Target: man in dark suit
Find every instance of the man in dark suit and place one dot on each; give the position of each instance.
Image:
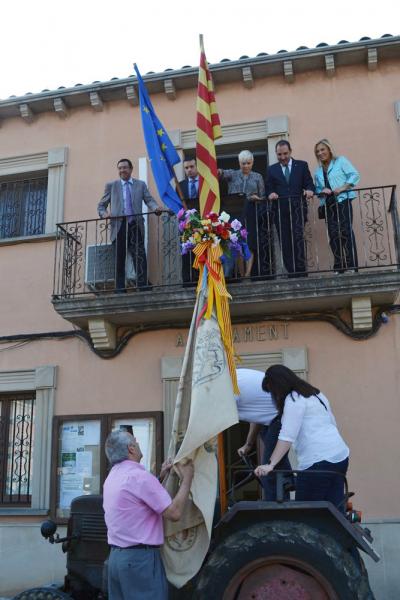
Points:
(289, 186)
(190, 185)
(125, 197)
(190, 192)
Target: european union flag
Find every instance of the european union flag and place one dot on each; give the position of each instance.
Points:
(160, 149)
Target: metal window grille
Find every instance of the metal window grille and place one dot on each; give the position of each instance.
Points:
(17, 414)
(23, 207)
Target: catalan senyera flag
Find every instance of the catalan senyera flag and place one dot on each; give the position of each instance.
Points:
(208, 130)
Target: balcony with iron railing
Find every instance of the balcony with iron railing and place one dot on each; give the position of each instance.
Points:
(139, 277)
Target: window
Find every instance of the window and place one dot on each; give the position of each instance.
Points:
(32, 194)
(80, 461)
(26, 412)
(17, 414)
(23, 207)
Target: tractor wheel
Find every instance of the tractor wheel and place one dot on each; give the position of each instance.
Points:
(282, 560)
(42, 594)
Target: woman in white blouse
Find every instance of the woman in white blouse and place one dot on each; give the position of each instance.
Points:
(307, 423)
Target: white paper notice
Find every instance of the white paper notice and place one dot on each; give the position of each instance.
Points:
(90, 433)
(84, 463)
(71, 486)
(69, 437)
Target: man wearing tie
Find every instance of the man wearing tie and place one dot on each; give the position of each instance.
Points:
(289, 185)
(125, 197)
(190, 185)
(190, 192)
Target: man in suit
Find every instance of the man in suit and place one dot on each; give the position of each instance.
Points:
(190, 185)
(289, 186)
(125, 197)
(190, 192)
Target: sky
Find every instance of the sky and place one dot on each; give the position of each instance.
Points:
(47, 43)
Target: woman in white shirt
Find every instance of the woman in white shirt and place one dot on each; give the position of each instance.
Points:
(307, 423)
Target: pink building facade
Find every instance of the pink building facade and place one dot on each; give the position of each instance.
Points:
(77, 359)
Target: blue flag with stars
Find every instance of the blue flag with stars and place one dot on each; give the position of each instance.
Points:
(160, 149)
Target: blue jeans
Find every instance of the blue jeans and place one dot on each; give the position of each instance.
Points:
(339, 217)
(313, 486)
(136, 574)
(269, 435)
(228, 265)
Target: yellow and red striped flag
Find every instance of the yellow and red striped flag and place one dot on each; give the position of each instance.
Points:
(208, 130)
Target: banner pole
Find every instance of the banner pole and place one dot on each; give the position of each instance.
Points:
(223, 500)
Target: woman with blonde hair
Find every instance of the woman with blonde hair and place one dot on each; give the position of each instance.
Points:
(334, 179)
(250, 183)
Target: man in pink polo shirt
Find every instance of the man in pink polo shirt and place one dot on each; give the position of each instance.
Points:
(135, 504)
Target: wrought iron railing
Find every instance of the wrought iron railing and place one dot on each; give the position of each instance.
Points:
(23, 206)
(287, 237)
(16, 448)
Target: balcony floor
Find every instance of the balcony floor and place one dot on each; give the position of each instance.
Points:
(173, 305)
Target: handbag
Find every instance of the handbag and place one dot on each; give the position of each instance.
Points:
(322, 207)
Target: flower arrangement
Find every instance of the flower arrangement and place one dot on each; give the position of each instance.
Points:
(217, 229)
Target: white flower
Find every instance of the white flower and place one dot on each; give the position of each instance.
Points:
(236, 225)
(224, 217)
(233, 237)
(192, 240)
(216, 241)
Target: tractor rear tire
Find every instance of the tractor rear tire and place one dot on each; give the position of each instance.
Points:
(304, 551)
(42, 594)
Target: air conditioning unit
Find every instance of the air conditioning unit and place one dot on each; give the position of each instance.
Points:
(397, 109)
(100, 267)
